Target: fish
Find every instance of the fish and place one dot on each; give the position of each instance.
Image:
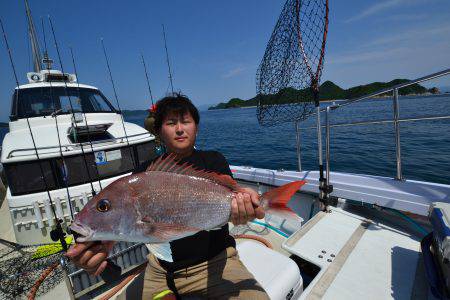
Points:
(166, 202)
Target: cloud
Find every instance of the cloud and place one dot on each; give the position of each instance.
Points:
(417, 34)
(405, 17)
(234, 72)
(395, 45)
(376, 8)
(364, 56)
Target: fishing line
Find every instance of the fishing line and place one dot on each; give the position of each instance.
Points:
(167, 58)
(118, 104)
(73, 119)
(148, 81)
(64, 168)
(57, 233)
(88, 131)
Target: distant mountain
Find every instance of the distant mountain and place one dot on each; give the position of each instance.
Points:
(134, 112)
(3, 124)
(445, 89)
(328, 91)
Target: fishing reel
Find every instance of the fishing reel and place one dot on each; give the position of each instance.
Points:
(58, 234)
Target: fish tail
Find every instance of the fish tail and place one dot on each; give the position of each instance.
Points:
(279, 197)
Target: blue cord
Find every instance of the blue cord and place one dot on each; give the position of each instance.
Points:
(272, 228)
(408, 219)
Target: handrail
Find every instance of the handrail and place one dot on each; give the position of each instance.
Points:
(386, 121)
(395, 87)
(71, 147)
(395, 120)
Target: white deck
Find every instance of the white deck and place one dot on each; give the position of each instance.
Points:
(358, 258)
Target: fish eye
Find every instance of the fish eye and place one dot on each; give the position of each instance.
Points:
(103, 205)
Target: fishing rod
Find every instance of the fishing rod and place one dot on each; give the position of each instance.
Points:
(85, 118)
(71, 108)
(167, 58)
(112, 271)
(57, 233)
(55, 116)
(118, 104)
(148, 81)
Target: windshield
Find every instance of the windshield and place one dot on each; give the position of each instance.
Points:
(43, 101)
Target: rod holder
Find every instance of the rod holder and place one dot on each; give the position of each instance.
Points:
(297, 138)
(399, 175)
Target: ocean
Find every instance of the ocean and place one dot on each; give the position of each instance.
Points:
(365, 149)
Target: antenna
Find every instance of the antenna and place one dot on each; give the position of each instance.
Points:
(117, 101)
(57, 233)
(37, 62)
(167, 58)
(146, 76)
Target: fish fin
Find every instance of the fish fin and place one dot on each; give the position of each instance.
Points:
(278, 198)
(170, 164)
(161, 251)
(276, 201)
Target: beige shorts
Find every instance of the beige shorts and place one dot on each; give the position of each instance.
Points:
(222, 277)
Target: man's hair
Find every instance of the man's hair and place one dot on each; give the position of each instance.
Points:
(178, 104)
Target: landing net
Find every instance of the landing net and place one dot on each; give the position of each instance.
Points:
(289, 74)
(27, 270)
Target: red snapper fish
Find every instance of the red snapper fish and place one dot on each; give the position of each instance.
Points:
(168, 201)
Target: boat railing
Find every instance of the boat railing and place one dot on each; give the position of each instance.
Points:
(396, 120)
(72, 147)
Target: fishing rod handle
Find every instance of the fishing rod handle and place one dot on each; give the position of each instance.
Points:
(112, 271)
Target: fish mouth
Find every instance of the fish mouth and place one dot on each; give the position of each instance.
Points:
(81, 233)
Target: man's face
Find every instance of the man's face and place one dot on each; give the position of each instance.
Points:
(178, 132)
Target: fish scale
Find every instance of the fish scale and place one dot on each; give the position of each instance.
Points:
(167, 202)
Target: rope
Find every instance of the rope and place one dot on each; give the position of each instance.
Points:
(41, 279)
(256, 238)
(123, 283)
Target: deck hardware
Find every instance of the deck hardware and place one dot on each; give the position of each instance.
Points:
(297, 138)
(37, 213)
(398, 153)
(58, 206)
(48, 212)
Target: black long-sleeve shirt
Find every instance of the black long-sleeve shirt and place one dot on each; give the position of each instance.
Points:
(203, 245)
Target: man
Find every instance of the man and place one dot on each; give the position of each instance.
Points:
(205, 265)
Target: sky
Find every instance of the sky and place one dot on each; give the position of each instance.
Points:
(215, 47)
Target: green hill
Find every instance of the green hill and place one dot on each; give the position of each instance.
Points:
(328, 91)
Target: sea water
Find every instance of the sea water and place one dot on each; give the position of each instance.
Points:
(364, 149)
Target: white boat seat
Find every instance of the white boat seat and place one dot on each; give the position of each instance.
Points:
(277, 274)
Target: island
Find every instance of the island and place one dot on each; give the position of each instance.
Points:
(3, 124)
(328, 91)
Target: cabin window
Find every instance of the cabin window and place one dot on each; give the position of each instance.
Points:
(118, 161)
(43, 101)
(25, 177)
(146, 152)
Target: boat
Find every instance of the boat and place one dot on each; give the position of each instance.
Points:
(65, 142)
(372, 240)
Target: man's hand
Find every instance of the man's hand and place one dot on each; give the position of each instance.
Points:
(90, 256)
(245, 206)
